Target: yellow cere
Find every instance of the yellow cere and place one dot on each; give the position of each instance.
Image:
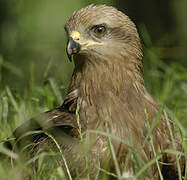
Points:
(84, 44)
(75, 35)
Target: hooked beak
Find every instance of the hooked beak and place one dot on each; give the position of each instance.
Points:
(72, 48)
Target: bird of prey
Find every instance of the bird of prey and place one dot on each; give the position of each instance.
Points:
(108, 116)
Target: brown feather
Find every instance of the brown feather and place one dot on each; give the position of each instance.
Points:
(107, 85)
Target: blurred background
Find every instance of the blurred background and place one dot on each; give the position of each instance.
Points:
(34, 70)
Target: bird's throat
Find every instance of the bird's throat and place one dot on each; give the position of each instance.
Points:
(104, 75)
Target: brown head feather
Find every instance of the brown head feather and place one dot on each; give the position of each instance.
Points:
(119, 57)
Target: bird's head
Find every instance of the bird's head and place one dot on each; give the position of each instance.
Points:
(100, 30)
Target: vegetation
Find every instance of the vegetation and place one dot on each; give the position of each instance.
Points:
(34, 86)
(168, 84)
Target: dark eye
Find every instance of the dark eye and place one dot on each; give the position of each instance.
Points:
(99, 30)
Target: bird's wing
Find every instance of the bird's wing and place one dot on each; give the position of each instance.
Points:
(63, 117)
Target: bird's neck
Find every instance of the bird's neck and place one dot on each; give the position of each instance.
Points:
(106, 75)
(104, 84)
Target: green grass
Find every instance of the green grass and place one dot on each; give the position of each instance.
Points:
(166, 82)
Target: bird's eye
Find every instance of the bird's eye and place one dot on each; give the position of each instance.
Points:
(99, 30)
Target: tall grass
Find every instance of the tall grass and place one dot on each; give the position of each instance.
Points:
(167, 83)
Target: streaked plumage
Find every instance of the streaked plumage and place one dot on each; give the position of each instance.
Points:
(108, 87)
